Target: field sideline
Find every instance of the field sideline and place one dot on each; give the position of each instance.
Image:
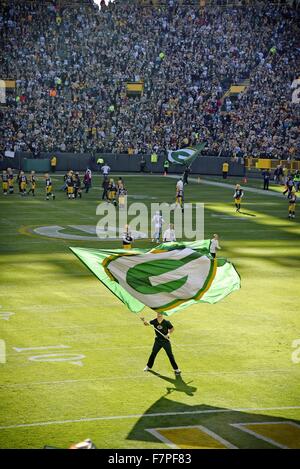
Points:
(75, 355)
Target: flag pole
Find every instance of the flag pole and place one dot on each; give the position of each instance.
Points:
(168, 338)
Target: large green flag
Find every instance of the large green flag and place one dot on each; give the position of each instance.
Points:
(185, 156)
(167, 279)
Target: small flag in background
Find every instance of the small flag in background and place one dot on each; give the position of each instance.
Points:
(167, 279)
(185, 156)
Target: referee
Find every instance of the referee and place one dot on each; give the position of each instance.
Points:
(163, 329)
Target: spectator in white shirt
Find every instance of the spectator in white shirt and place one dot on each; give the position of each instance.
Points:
(169, 234)
(214, 245)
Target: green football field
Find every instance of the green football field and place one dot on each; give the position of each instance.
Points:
(73, 367)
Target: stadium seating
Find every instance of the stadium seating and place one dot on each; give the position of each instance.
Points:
(72, 64)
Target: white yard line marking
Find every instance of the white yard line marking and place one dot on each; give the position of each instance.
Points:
(46, 347)
(138, 376)
(230, 186)
(135, 416)
(5, 315)
(96, 349)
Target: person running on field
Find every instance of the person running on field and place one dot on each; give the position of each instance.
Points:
(48, 184)
(32, 181)
(292, 204)
(4, 182)
(238, 195)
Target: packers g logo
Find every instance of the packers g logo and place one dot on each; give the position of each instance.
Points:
(181, 156)
(162, 280)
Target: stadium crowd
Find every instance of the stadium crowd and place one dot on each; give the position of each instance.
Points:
(71, 66)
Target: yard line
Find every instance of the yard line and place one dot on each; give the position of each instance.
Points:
(136, 416)
(138, 376)
(44, 347)
(230, 186)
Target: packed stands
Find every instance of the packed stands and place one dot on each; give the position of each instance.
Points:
(72, 62)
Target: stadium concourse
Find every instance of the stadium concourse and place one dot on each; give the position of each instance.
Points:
(71, 62)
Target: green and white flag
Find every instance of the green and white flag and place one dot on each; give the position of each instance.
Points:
(166, 279)
(185, 156)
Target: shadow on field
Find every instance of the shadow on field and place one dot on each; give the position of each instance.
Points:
(166, 413)
(248, 214)
(280, 259)
(178, 383)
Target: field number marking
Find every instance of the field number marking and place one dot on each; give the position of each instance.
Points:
(72, 358)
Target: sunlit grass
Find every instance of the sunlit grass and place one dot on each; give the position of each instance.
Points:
(236, 354)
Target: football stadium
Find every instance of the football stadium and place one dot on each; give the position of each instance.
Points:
(150, 234)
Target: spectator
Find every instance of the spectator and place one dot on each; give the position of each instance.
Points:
(71, 67)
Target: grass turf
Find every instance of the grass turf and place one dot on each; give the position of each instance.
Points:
(235, 356)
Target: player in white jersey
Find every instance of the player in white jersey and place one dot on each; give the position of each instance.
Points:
(169, 234)
(158, 221)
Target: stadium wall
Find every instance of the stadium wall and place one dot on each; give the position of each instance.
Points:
(122, 163)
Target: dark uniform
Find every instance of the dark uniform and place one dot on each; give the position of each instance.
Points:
(289, 186)
(11, 182)
(266, 175)
(122, 193)
(77, 186)
(179, 198)
(19, 180)
(105, 185)
(161, 342)
(166, 166)
(4, 183)
(239, 193)
(112, 192)
(142, 165)
(186, 175)
(23, 184)
(70, 186)
(33, 184)
(292, 204)
(127, 240)
(48, 184)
